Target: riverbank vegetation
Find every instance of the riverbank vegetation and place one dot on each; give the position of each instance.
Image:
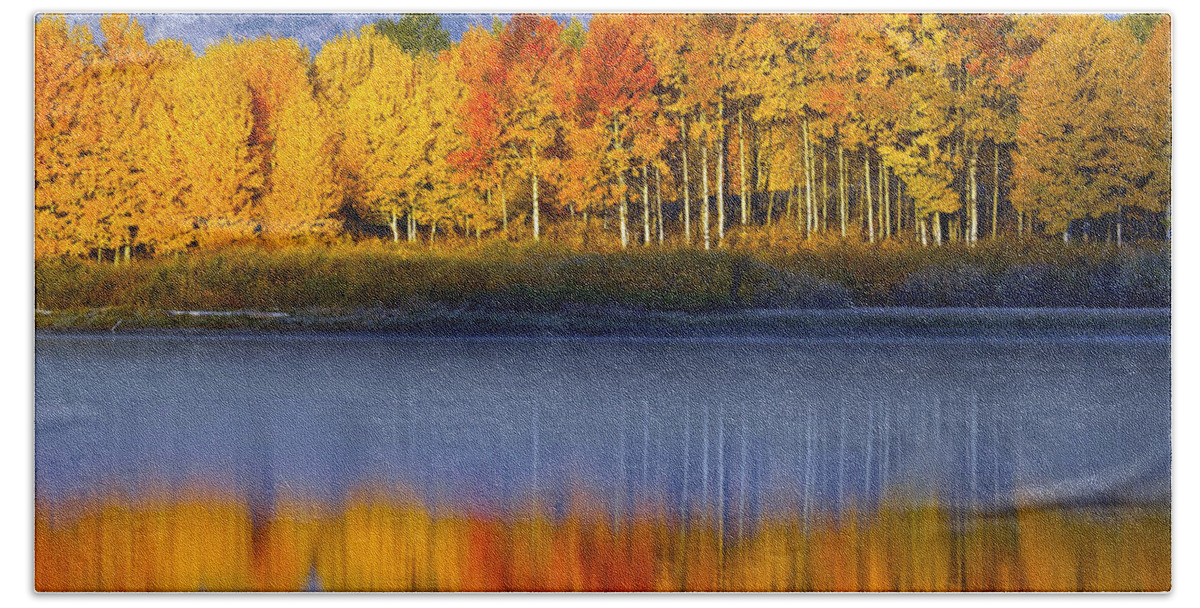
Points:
(503, 277)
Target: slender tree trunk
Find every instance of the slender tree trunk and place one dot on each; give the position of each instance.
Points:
(721, 190)
(432, 233)
(885, 211)
(825, 189)
(623, 209)
(808, 207)
(395, 229)
(810, 180)
(742, 162)
(924, 238)
(704, 172)
(764, 176)
(937, 228)
(888, 175)
(503, 211)
(844, 207)
(995, 189)
(687, 211)
(793, 195)
(658, 202)
(645, 206)
(1120, 217)
(974, 196)
(536, 226)
(869, 210)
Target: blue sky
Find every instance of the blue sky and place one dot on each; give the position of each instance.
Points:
(310, 29)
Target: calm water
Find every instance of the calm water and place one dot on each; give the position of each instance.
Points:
(750, 423)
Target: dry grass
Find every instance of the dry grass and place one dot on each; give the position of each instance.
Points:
(499, 275)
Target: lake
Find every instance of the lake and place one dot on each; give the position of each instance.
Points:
(818, 420)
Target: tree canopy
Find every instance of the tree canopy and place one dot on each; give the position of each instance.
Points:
(910, 128)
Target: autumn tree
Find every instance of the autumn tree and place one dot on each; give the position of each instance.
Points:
(64, 81)
(614, 101)
(1075, 117)
(1149, 136)
(372, 85)
(480, 158)
(202, 175)
(533, 63)
(670, 40)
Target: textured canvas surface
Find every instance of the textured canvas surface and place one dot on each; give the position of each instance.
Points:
(602, 302)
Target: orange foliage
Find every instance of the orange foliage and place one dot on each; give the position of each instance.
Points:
(384, 542)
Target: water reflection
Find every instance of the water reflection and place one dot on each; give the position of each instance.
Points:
(740, 426)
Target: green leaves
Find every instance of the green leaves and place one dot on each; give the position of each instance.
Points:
(416, 33)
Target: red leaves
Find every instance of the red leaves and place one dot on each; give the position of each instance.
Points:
(616, 75)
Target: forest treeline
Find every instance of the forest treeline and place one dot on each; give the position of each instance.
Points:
(693, 130)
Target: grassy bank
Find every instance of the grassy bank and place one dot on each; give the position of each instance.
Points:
(502, 277)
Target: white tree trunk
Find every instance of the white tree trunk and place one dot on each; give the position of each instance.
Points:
(536, 227)
(885, 211)
(721, 192)
(1120, 218)
(810, 173)
(742, 162)
(844, 208)
(658, 202)
(395, 228)
(808, 218)
(974, 196)
(825, 189)
(687, 203)
(704, 172)
(503, 209)
(623, 210)
(995, 190)
(869, 209)
(645, 206)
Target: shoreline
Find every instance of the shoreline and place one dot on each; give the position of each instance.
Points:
(878, 322)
